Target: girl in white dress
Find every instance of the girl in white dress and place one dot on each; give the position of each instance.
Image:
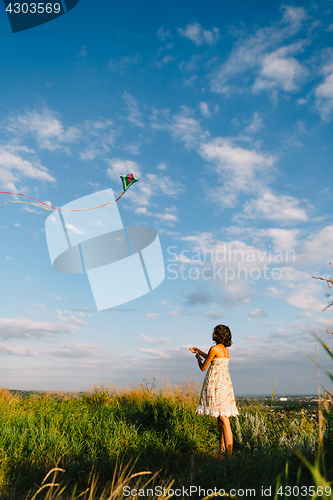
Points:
(217, 396)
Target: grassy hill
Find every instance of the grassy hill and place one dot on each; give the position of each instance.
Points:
(102, 437)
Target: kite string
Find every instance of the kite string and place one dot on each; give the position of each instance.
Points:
(51, 209)
(20, 194)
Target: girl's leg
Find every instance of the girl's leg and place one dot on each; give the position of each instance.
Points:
(227, 435)
(222, 443)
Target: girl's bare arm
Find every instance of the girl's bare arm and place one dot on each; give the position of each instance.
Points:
(209, 358)
(196, 350)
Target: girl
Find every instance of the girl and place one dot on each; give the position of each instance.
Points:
(217, 396)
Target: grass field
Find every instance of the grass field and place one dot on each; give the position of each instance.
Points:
(100, 438)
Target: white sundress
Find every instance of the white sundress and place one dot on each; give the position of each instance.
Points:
(217, 396)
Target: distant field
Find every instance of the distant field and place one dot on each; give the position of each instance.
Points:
(100, 433)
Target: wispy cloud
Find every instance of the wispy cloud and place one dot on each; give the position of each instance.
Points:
(255, 313)
(99, 137)
(154, 340)
(135, 116)
(156, 353)
(121, 64)
(25, 328)
(74, 230)
(275, 207)
(182, 126)
(82, 52)
(255, 125)
(162, 34)
(205, 110)
(165, 60)
(324, 92)
(152, 315)
(240, 170)
(197, 34)
(48, 131)
(213, 315)
(119, 167)
(283, 239)
(281, 71)
(260, 53)
(67, 350)
(13, 168)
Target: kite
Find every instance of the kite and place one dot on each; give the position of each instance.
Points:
(127, 181)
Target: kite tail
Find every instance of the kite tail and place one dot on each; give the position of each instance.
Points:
(51, 209)
(119, 196)
(127, 181)
(20, 194)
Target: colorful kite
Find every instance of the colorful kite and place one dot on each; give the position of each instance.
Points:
(127, 181)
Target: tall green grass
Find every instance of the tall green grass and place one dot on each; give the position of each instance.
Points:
(103, 437)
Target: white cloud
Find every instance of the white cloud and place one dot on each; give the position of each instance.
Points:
(213, 315)
(236, 259)
(300, 290)
(249, 54)
(181, 126)
(189, 81)
(191, 65)
(26, 328)
(119, 167)
(279, 70)
(319, 246)
(283, 239)
(98, 135)
(167, 217)
(156, 354)
(20, 350)
(74, 230)
(74, 351)
(152, 315)
(45, 127)
(121, 64)
(324, 93)
(197, 34)
(149, 185)
(165, 185)
(255, 125)
(162, 34)
(165, 60)
(255, 313)
(68, 350)
(13, 168)
(135, 116)
(204, 110)
(153, 340)
(304, 297)
(240, 169)
(275, 207)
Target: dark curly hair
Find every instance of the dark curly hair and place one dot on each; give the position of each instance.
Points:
(222, 335)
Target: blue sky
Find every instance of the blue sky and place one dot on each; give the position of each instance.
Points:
(224, 113)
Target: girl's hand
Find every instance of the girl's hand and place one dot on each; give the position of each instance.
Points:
(194, 349)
